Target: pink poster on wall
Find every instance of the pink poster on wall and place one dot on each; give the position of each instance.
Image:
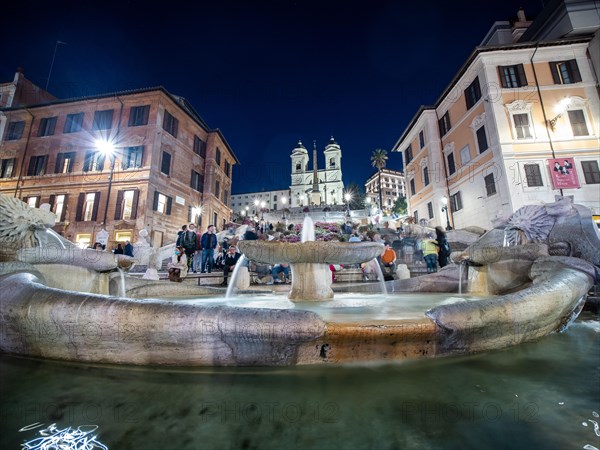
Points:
(564, 175)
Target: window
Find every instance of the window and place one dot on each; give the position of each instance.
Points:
(15, 130)
(132, 157)
(197, 181)
(58, 206)
(47, 125)
(465, 155)
(512, 76)
(426, 176)
(591, 173)
(565, 72)
(73, 123)
(444, 123)
(126, 208)
(217, 188)
(451, 164)
(577, 120)
(103, 120)
(455, 202)
(94, 161)
(490, 184)
(482, 142)
(430, 210)
(226, 197)
(227, 168)
(33, 202)
(64, 162)
(87, 206)
(472, 93)
(199, 147)
(332, 163)
(218, 156)
(165, 164)
(412, 187)
(7, 167)
(422, 139)
(522, 127)
(533, 175)
(215, 219)
(408, 155)
(170, 124)
(298, 167)
(138, 115)
(37, 165)
(162, 203)
(416, 215)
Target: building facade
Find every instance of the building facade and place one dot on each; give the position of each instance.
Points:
(392, 186)
(494, 140)
(117, 163)
(317, 186)
(250, 204)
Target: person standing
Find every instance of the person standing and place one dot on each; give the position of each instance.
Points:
(430, 250)
(190, 244)
(119, 250)
(444, 247)
(231, 258)
(208, 243)
(180, 234)
(128, 249)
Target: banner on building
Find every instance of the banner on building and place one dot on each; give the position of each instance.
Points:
(563, 172)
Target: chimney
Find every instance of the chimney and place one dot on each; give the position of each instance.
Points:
(19, 74)
(521, 15)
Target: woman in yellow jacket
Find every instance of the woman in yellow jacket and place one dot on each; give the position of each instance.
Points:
(430, 252)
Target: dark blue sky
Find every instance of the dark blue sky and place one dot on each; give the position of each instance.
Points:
(267, 73)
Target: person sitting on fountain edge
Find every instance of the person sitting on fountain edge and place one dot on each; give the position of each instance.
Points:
(280, 268)
(388, 260)
(178, 268)
(231, 258)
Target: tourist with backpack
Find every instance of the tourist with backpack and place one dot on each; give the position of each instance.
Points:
(444, 247)
(190, 244)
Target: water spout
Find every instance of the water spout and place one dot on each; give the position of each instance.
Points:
(122, 290)
(308, 230)
(381, 279)
(234, 276)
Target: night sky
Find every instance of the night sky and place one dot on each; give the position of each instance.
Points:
(267, 73)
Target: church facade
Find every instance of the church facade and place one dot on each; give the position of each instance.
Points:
(316, 186)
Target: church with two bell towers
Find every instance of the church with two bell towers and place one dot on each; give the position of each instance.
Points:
(316, 187)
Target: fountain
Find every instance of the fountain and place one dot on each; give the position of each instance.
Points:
(309, 260)
(64, 303)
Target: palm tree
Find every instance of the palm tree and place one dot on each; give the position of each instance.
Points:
(378, 160)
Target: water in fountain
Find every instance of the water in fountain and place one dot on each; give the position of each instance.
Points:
(122, 290)
(232, 283)
(49, 238)
(308, 230)
(381, 279)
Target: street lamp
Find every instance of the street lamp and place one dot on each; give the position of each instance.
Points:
(368, 200)
(302, 200)
(284, 201)
(108, 149)
(445, 209)
(347, 197)
(262, 210)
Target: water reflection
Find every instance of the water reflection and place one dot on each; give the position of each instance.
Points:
(536, 395)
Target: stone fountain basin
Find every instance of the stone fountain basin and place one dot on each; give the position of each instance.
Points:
(40, 321)
(318, 252)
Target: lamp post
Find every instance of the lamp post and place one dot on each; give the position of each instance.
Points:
(368, 200)
(347, 197)
(283, 202)
(445, 209)
(108, 149)
(302, 200)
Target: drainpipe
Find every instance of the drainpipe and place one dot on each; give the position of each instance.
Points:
(537, 85)
(19, 179)
(445, 173)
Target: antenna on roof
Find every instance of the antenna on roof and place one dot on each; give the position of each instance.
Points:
(52, 63)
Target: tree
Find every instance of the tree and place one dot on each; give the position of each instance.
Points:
(400, 206)
(378, 160)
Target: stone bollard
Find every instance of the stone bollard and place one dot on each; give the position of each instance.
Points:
(243, 278)
(402, 272)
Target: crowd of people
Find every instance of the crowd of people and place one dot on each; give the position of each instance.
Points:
(204, 252)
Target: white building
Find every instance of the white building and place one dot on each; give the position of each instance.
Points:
(317, 187)
(393, 185)
(251, 203)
